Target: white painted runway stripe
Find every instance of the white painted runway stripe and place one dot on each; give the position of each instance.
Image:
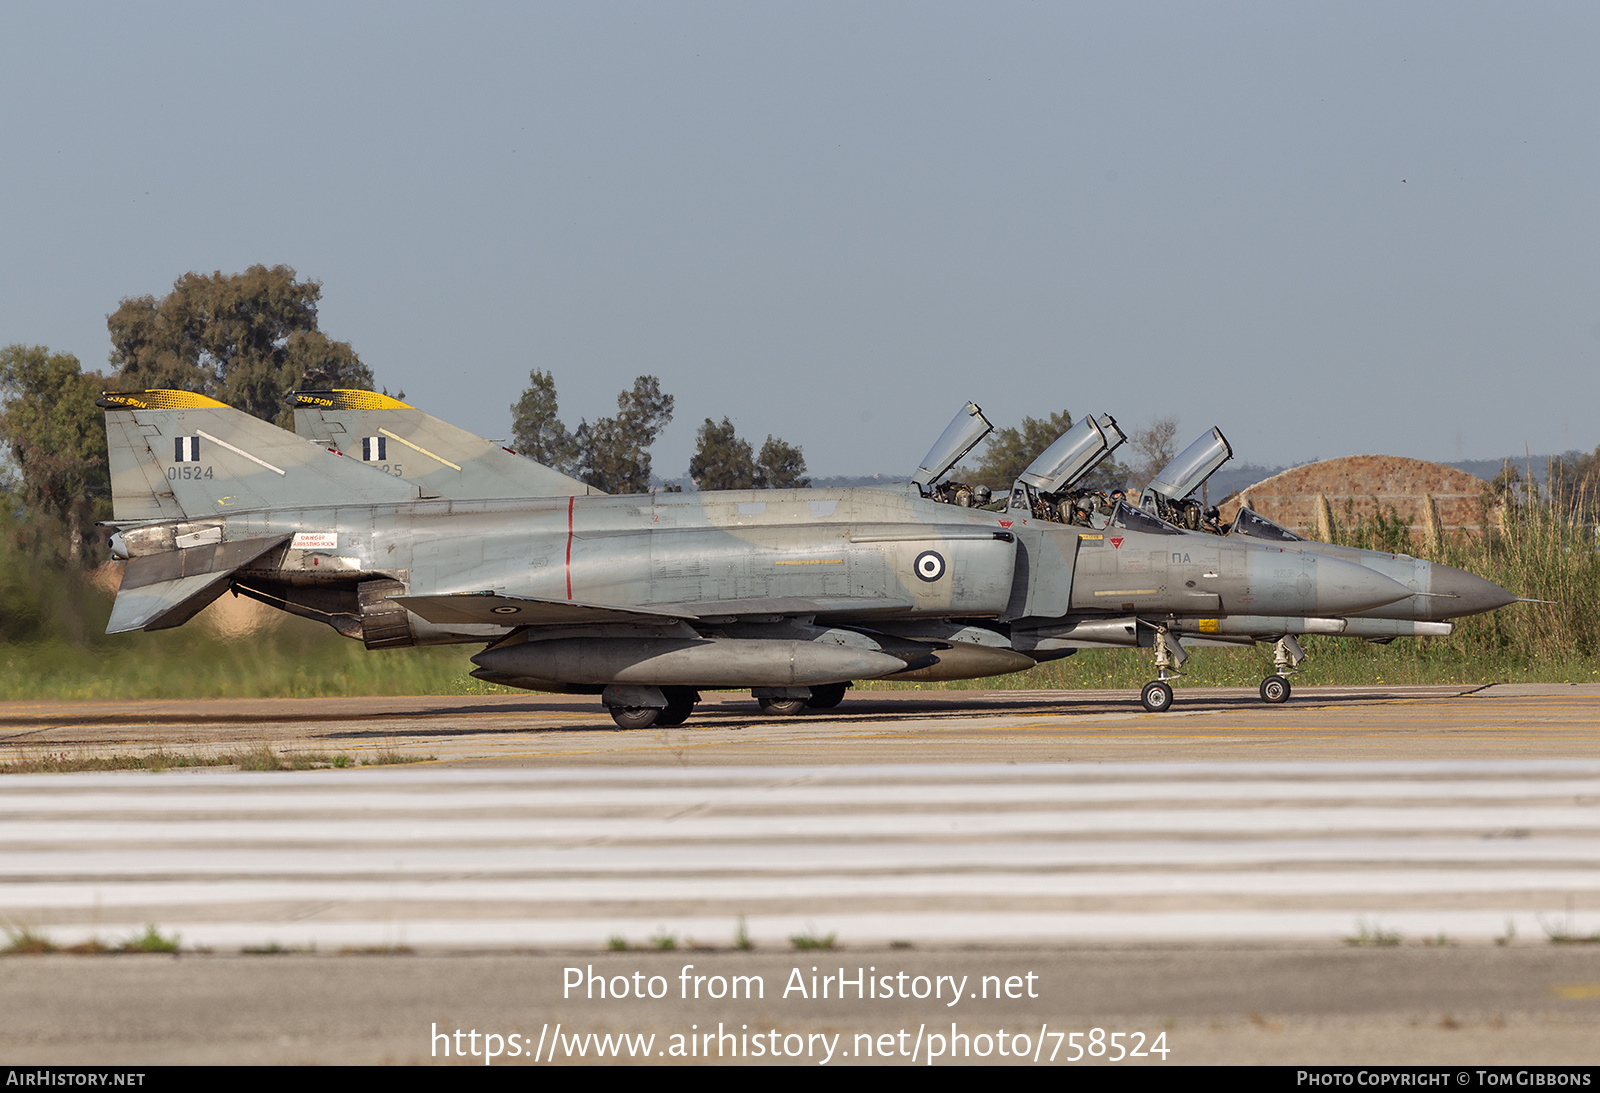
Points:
(980, 885)
(426, 778)
(493, 857)
(805, 825)
(714, 858)
(353, 797)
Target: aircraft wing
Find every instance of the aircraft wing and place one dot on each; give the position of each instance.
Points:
(461, 608)
(793, 607)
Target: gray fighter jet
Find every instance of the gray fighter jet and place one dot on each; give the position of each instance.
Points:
(645, 600)
(1438, 592)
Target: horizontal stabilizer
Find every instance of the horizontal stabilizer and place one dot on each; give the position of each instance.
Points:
(485, 607)
(160, 591)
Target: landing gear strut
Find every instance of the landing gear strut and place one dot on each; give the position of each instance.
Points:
(1170, 656)
(1286, 658)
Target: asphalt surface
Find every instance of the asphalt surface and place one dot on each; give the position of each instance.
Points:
(1364, 875)
(869, 727)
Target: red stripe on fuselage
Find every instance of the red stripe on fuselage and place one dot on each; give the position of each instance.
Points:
(570, 501)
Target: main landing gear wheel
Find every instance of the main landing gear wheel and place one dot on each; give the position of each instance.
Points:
(680, 705)
(1157, 696)
(827, 696)
(1275, 689)
(634, 717)
(781, 707)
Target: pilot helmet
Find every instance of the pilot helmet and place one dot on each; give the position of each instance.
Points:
(982, 495)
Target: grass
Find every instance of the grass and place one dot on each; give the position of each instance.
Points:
(1559, 937)
(1373, 936)
(664, 941)
(617, 943)
(813, 941)
(389, 757)
(259, 757)
(151, 941)
(66, 763)
(1566, 933)
(26, 941)
(741, 936)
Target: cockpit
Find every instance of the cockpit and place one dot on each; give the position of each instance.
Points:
(1167, 495)
(1046, 490)
(1255, 526)
(1128, 518)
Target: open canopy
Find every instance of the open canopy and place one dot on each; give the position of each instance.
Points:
(959, 437)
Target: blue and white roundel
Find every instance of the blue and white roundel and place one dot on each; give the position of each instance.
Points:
(929, 565)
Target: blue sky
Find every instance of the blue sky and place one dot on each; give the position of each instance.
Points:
(1329, 229)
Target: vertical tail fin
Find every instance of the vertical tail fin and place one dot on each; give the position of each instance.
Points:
(444, 460)
(177, 455)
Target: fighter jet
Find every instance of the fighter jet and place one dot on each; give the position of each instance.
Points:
(643, 600)
(1438, 592)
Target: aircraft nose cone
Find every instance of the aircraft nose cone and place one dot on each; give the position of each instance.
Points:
(1344, 588)
(1471, 594)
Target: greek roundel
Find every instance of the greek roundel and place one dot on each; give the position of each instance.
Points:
(929, 565)
(374, 449)
(185, 449)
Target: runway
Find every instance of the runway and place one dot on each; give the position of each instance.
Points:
(942, 854)
(1349, 723)
(904, 825)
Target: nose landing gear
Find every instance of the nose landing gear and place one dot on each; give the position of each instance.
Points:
(1157, 696)
(1170, 656)
(1286, 658)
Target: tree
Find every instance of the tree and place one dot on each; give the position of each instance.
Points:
(57, 438)
(1009, 451)
(612, 453)
(721, 460)
(536, 429)
(1156, 445)
(246, 339)
(781, 466)
(724, 462)
(1108, 475)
